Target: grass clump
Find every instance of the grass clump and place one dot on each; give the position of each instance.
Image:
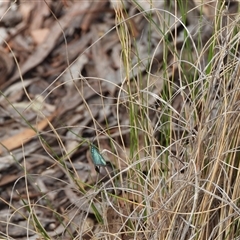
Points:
(189, 152)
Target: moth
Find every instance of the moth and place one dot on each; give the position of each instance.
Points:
(97, 158)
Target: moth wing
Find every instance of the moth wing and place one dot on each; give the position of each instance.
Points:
(101, 161)
(97, 158)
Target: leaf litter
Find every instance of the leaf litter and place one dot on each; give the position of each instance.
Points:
(65, 56)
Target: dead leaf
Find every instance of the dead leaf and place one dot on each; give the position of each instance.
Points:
(39, 35)
(43, 50)
(19, 139)
(6, 65)
(40, 12)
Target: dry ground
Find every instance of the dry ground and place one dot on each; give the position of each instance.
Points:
(75, 72)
